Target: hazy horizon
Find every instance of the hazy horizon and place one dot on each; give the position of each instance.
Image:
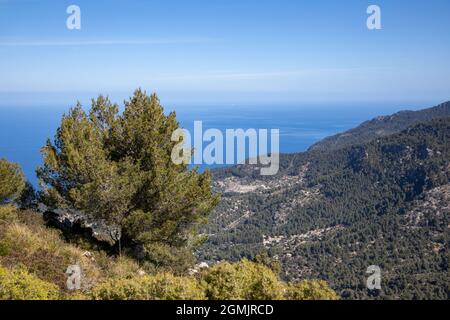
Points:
(226, 52)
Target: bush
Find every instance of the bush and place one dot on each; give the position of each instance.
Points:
(162, 286)
(45, 254)
(18, 284)
(310, 290)
(12, 181)
(167, 258)
(244, 280)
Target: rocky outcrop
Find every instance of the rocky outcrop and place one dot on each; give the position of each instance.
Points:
(78, 222)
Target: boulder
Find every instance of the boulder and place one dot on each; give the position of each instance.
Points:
(78, 222)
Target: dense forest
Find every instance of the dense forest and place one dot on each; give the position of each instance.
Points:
(332, 213)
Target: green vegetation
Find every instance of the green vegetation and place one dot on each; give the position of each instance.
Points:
(333, 214)
(243, 280)
(378, 198)
(26, 241)
(310, 290)
(162, 286)
(381, 127)
(12, 181)
(43, 257)
(118, 167)
(18, 284)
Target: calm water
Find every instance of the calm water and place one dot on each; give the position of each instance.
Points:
(24, 130)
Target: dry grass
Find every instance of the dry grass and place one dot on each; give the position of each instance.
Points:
(26, 241)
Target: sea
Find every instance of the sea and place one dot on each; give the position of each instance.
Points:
(24, 129)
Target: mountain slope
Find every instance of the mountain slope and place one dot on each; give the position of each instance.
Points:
(381, 126)
(332, 214)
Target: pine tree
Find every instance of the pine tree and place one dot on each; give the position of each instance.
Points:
(118, 167)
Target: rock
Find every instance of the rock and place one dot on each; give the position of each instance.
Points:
(197, 268)
(192, 272)
(141, 273)
(78, 222)
(88, 254)
(202, 265)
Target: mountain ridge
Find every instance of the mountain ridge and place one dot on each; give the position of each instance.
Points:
(381, 126)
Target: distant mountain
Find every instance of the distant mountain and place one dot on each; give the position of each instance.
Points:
(381, 126)
(330, 214)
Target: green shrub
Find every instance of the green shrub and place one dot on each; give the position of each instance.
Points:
(18, 284)
(310, 290)
(12, 181)
(166, 258)
(162, 286)
(243, 280)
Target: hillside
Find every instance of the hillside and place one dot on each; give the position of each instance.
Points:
(381, 126)
(37, 262)
(331, 214)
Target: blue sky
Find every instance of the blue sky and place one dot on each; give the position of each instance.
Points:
(226, 52)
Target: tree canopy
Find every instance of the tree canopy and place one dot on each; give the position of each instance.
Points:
(117, 167)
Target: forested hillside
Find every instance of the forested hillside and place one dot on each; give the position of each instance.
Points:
(331, 214)
(382, 126)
